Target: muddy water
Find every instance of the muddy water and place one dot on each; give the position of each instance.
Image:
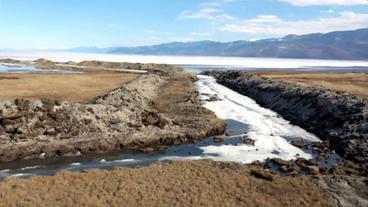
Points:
(267, 135)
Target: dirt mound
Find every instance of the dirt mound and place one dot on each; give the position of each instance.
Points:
(122, 119)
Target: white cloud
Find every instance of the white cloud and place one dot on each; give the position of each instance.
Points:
(213, 14)
(330, 11)
(273, 25)
(326, 2)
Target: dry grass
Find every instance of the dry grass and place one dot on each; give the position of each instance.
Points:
(70, 87)
(179, 89)
(196, 183)
(353, 83)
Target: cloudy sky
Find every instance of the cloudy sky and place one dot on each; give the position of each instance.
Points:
(104, 23)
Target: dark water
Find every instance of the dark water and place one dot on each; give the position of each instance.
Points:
(50, 166)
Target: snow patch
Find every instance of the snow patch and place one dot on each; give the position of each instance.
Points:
(271, 133)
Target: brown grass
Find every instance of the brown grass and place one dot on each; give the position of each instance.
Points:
(70, 87)
(196, 183)
(353, 83)
(179, 89)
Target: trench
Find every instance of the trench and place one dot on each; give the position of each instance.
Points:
(253, 134)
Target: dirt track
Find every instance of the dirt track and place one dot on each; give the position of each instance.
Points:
(197, 183)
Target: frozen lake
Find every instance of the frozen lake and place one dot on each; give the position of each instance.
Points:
(199, 63)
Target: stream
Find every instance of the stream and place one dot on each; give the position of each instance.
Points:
(267, 135)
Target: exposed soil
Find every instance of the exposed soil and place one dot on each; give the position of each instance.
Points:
(196, 183)
(122, 119)
(81, 88)
(352, 83)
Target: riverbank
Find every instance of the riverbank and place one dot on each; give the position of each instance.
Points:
(337, 118)
(123, 119)
(353, 83)
(196, 183)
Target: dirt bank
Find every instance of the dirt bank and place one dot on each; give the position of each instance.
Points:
(352, 83)
(338, 118)
(196, 183)
(124, 118)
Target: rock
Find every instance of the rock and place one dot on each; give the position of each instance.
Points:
(87, 121)
(10, 129)
(150, 118)
(279, 161)
(16, 116)
(51, 132)
(155, 119)
(299, 143)
(148, 150)
(218, 139)
(163, 122)
(283, 169)
(48, 104)
(135, 125)
(249, 141)
(312, 170)
(214, 98)
(22, 104)
(6, 122)
(263, 174)
(90, 110)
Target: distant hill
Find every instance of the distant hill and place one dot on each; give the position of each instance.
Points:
(348, 45)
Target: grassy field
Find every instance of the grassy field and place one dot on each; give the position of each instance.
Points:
(70, 87)
(196, 183)
(353, 83)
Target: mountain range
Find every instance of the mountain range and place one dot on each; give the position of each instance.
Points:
(347, 45)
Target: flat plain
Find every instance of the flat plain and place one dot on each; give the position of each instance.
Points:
(352, 83)
(81, 88)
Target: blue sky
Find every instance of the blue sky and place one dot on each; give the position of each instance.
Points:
(105, 23)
